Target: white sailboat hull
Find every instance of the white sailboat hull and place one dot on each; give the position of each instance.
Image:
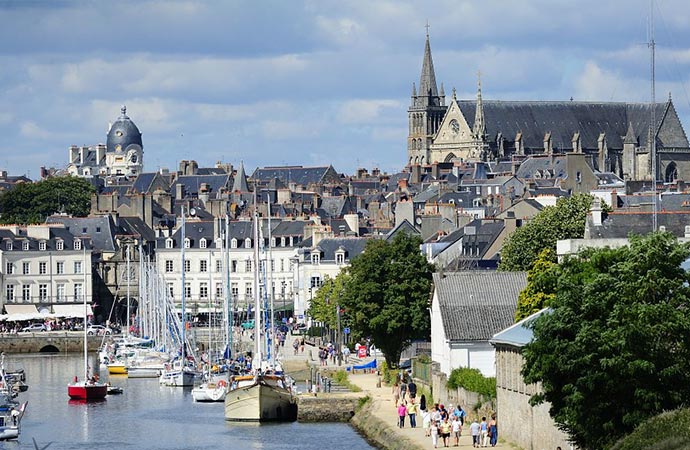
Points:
(260, 403)
(177, 378)
(210, 392)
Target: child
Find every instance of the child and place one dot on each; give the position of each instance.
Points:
(474, 431)
(434, 433)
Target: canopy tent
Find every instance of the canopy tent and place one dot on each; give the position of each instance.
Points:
(20, 309)
(72, 310)
(17, 313)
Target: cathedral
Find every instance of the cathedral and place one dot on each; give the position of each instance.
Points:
(615, 136)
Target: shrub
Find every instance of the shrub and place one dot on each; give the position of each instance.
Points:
(472, 380)
(388, 375)
(667, 431)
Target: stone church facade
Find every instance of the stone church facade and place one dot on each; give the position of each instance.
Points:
(615, 136)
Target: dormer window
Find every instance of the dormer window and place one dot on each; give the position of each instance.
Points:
(247, 243)
(42, 246)
(77, 244)
(169, 243)
(9, 245)
(219, 243)
(315, 257)
(202, 243)
(273, 242)
(60, 245)
(187, 243)
(25, 245)
(282, 241)
(233, 243)
(340, 257)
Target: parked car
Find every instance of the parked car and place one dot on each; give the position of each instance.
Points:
(34, 327)
(248, 325)
(98, 329)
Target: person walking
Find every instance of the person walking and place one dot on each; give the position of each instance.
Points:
(412, 413)
(445, 431)
(402, 412)
(426, 422)
(484, 432)
(434, 432)
(403, 389)
(412, 389)
(493, 430)
(456, 427)
(474, 431)
(396, 393)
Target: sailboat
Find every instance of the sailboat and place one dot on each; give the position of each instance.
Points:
(267, 394)
(179, 373)
(89, 388)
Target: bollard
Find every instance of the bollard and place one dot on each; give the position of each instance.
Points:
(378, 382)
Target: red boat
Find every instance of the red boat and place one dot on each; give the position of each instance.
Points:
(89, 390)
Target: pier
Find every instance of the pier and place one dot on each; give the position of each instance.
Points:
(48, 342)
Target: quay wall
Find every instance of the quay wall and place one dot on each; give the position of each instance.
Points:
(378, 432)
(48, 342)
(327, 407)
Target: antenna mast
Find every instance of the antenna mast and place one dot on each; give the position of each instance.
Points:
(652, 124)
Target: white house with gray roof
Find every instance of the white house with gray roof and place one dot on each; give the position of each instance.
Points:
(467, 309)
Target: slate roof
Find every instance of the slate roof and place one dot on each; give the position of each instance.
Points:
(100, 229)
(621, 224)
(563, 119)
(56, 233)
(192, 183)
(539, 164)
(303, 176)
(353, 246)
(475, 305)
(134, 226)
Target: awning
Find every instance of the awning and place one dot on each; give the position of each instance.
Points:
(21, 309)
(73, 310)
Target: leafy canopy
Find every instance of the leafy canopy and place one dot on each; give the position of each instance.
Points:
(30, 203)
(541, 286)
(615, 350)
(565, 220)
(386, 294)
(323, 306)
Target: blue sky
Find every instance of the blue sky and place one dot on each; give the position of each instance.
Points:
(305, 82)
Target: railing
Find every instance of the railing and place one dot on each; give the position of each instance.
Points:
(421, 370)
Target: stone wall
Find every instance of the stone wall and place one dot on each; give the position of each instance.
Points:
(327, 407)
(471, 402)
(379, 432)
(51, 341)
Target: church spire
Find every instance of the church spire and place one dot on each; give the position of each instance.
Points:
(479, 125)
(427, 80)
(239, 184)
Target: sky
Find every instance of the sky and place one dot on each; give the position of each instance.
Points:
(306, 82)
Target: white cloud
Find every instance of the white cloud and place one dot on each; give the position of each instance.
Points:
(362, 111)
(32, 131)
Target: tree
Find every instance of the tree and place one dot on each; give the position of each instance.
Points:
(615, 349)
(33, 202)
(386, 295)
(565, 220)
(323, 305)
(541, 286)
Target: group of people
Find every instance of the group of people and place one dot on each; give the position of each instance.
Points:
(439, 421)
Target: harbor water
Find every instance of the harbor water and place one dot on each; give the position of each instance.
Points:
(147, 416)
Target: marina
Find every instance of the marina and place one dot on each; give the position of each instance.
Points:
(148, 415)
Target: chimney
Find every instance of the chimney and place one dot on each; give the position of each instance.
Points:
(402, 183)
(596, 212)
(100, 153)
(510, 223)
(614, 199)
(204, 192)
(435, 171)
(352, 221)
(416, 174)
(73, 154)
(687, 231)
(82, 154)
(179, 191)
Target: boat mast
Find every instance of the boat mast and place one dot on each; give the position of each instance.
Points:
(128, 281)
(270, 284)
(228, 311)
(257, 298)
(210, 287)
(83, 294)
(184, 324)
(652, 123)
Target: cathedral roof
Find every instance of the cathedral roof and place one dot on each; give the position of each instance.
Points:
(563, 119)
(427, 80)
(122, 134)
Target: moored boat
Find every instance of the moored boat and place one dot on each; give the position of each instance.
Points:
(117, 368)
(210, 391)
(263, 398)
(87, 390)
(11, 414)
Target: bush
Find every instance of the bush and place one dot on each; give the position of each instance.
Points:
(667, 431)
(316, 331)
(472, 380)
(388, 375)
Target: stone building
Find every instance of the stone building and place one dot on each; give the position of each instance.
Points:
(614, 136)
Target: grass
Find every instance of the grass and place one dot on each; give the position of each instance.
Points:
(341, 377)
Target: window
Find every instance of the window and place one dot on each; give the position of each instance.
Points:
(247, 243)
(202, 243)
(60, 268)
(25, 245)
(340, 258)
(219, 265)
(234, 290)
(203, 290)
(188, 290)
(187, 265)
(42, 246)
(316, 281)
(273, 242)
(42, 292)
(60, 292)
(26, 292)
(83, 231)
(233, 243)
(262, 266)
(60, 245)
(282, 241)
(77, 266)
(219, 243)
(169, 243)
(9, 268)
(203, 266)
(98, 229)
(187, 243)
(248, 291)
(282, 265)
(77, 244)
(42, 268)
(78, 291)
(9, 292)
(219, 290)
(291, 265)
(171, 289)
(233, 265)
(9, 245)
(315, 258)
(169, 267)
(248, 265)
(273, 265)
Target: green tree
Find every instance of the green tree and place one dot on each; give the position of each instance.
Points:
(33, 202)
(387, 295)
(615, 349)
(565, 220)
(329, 296)
(541, 286)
